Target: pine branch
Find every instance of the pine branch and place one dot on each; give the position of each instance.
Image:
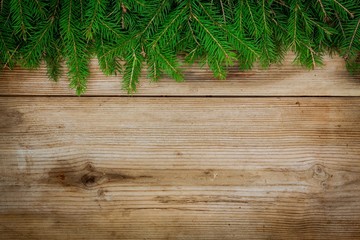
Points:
(223, 53)
(223, 11)
(215, 44)
(238, 41)
(300, 26)
(7, 58)
(353, 64)
(195, 53)
(344, 8)
(155, 19)
(167, 62)
(192, 33)
(323, 9)
(37, 44)
(294, 32)
(53, 61)
(174, 21)
(238, 22)
(8, 44)
(266, 36)
(75, 45)
(107, 62)
(43, 37)
(154, 70)
(215, 33)
(110, 30)
(353, 36)
(217, 68)
(253, 22)
(340, 25)
(132, 71)
(18, 18)
(92, 14)
(41, 7)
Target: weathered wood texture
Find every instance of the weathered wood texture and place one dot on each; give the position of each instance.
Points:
(179, 168)
(285, 80)
(226, 167)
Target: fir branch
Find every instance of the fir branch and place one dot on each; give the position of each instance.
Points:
(223, 11)
(293, 28)
(215, 32)
(340, 25)
(122, 15)
(18, 17)
(92, 14)
(175, 20)
(282, 3)
(266, 33)
(240, 42)
(216, 41)
(37, 44)
(323, 9)
(170, 66)
(4, 49)
(192, 33)
(252, 18)
(217, 68)
(354, 35)
(154, 70)
(344, 8)
(75, 46)
(323, 28)
(312, 53)
(81, 10)
(107, 62)
(132, 71)
(40, 6)
(42, 38)
(213, 43)
(239, 17)
(190, 57)
(157, 15)
(7, 46)
(264, 18)
(111, 30)
(103, 61)
(53, 61)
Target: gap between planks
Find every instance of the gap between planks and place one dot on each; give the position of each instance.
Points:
(176, 96)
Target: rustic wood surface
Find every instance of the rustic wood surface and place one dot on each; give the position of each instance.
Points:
(279, 80)
(190, 167)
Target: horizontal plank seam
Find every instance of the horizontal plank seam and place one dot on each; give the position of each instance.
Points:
(177, 96)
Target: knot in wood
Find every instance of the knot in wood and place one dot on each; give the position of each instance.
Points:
(92, 179)
(319, 172)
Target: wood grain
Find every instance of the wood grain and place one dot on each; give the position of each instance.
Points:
(179, 168)
(279, 80)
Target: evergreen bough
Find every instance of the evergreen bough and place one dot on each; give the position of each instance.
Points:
(126, 35)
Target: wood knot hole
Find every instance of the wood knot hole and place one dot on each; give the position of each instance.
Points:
(319, 172)
(91, 179)
(318, 169)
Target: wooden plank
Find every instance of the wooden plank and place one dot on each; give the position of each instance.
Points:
(285, 80)
(179, 168)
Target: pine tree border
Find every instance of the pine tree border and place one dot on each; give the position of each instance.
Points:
(126, 35)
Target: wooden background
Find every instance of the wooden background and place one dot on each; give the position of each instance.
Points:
(266, 154)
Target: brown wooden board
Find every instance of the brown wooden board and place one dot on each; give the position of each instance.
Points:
(279, 80)
(179, 168)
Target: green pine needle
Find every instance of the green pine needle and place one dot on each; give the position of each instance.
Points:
(126, 34)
